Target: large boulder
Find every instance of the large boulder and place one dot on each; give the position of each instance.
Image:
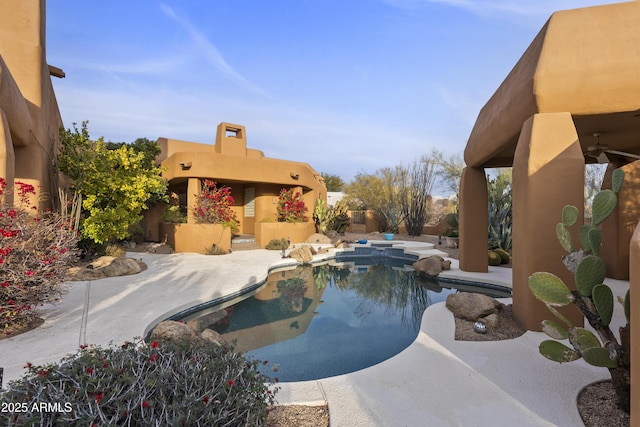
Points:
(432, 266)
(212, 336)
(178, 331)
(472, 306)
(319, 238)
(172, 330)
(107, 266)
(302, 254)
(122, 267)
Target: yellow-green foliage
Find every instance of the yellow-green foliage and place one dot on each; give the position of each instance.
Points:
(114, 251)
(494, 258)
(504, 255)
(115, 184)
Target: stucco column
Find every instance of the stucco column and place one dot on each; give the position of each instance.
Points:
(194, 189)
(634, 285)
(618, 228)
(7, 158)
(548, 173)
(473, 220)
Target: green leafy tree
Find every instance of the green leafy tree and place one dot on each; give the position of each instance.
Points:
(449, 171)
(381, 193)
(116, 184)
(333, 182)
(150, 149)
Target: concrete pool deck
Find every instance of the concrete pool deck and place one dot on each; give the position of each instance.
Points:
(435, 381)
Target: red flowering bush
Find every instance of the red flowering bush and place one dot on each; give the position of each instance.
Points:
(214, 205)
(35, 252)
(171, 383)
(291, 207)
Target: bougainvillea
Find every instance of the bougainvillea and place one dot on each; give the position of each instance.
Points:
(214, 205)
(291, 207)
(35, 251)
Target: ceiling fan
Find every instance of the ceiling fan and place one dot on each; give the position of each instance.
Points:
(601, 151)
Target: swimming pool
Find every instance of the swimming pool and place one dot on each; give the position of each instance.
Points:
(324, 320)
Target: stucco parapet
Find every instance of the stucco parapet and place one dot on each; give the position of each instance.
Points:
(15, 107)
(583, 61)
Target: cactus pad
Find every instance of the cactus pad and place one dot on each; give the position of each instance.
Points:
(558, 352)
(598, 356)
(595, 240)
(550, 289)
(569, 215)
(583, 235)
(616, 180)
(603, 204)
(590, 272)
(582, 339)
(603, 300)
(626, 303)
(554, 330)
(564, 237)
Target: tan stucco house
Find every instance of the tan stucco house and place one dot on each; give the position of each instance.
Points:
(29, 115)
(577, 84)
(255, 182)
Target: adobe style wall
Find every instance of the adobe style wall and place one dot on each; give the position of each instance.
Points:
(29, 115)
(578, 77)
(248, 172)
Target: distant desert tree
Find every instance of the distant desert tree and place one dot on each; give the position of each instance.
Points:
(416, 184)
(378, 192)
(333, 182)
(449, 171)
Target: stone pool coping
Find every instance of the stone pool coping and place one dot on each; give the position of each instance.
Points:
(436, 380)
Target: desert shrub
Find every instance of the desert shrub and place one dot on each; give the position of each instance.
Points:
(167, 383)
(215, 250)
(35, 252)
(114, 250)
(339, 219)
(174, 215)
(278, 244)
(291, 207)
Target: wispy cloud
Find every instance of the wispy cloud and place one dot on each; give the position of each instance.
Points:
(210, 53)
(530, 8)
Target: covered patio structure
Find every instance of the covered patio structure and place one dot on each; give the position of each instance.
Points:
(576, 85)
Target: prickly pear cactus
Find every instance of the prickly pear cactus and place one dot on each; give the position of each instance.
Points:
(592, 297)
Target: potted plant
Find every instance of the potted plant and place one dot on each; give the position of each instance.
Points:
(451, 234)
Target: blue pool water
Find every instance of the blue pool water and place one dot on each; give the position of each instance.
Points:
(319, 321)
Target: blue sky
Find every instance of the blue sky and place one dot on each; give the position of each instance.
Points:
(347, 86)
